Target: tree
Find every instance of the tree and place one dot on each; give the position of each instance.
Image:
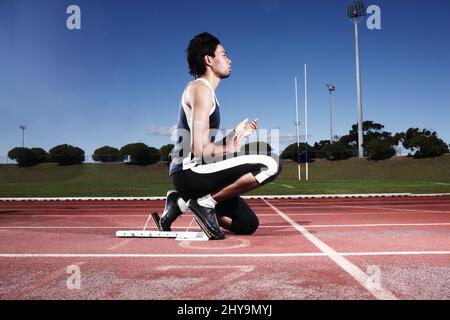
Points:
(379, 149)
(423, 143)
(371, 131)
(106, 154)
(66, 154)
(337, 151)
(15, 153)
(26, 157)
(290, 152)
(140, 153)
(164, 152)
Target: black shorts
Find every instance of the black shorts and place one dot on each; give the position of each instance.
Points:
(206, 179)
(202, 180)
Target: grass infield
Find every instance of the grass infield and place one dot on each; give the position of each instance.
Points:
(351, 176)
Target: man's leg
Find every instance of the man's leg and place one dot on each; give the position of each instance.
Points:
(235, 215)
(245, 183)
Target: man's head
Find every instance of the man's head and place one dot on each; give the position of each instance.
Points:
(205, 52)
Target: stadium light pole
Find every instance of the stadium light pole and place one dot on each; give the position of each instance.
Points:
(23, 135)
(354, 13)
(331, 88)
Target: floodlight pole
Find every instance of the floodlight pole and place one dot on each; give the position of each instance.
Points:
(331, 88)
(23, 135)
(354, 12)
(358, 94)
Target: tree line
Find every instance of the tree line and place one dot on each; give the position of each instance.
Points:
(377, 143)
(65, 154)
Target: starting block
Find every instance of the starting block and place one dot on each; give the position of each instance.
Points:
(178, 235)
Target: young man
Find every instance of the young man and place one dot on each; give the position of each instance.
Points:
(207, 180)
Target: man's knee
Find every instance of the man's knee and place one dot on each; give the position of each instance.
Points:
(245, 228)
(275, 170)
(279, 163)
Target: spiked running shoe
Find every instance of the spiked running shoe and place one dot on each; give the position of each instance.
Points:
(206, 218)
(171, 211)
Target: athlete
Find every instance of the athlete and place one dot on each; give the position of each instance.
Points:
(209, 176)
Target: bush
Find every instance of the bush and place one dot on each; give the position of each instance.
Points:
(379, 149)
(430, 146)
(66, 154)
(107, 154)
(424, 142)
(338, 151)
(140, 153)
(164, 152)
(28, 157)
(41, 154)
(292, 153)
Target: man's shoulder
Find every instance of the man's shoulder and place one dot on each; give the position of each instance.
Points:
(197, 86)
(198, 89)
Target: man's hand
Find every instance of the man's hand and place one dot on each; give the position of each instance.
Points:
(242, 131)
(246, 128)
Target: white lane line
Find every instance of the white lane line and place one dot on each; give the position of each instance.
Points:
(246, 268)
(73, 215)
(395, 209)
(120, 244)
(377, 225)
(320, 196)
(262, 226)
(208, 255)
(260, 214)
(361, 277)
(284, 185)
(330, 204)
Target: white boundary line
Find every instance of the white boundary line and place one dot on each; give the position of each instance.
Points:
(431, 224)
(128, 216)
(360, 276)
(362, 195)
(217, 255)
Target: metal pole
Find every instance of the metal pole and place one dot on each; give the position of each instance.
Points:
(331, 118)
(297, 124)
(358, 93)
(306, 124)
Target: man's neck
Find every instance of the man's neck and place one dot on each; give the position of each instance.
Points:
(212, 79)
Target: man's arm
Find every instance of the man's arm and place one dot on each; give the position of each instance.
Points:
(200, 100)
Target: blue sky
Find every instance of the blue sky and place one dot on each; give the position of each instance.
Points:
(119, 79)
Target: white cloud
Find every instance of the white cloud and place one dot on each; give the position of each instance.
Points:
(155, 130)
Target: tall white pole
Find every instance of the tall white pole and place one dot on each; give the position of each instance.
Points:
(358, 93)
(297, 124)
(306, 124)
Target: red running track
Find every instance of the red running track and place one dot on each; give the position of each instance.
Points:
(349, 248)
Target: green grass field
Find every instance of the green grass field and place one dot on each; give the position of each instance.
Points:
(326, 177)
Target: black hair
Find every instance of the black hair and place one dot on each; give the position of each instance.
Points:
(203, 44)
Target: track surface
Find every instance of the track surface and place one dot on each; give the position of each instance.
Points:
(353, 248)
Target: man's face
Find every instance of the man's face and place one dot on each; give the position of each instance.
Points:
(221, 64)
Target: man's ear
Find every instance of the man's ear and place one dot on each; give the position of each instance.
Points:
(208, 60)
